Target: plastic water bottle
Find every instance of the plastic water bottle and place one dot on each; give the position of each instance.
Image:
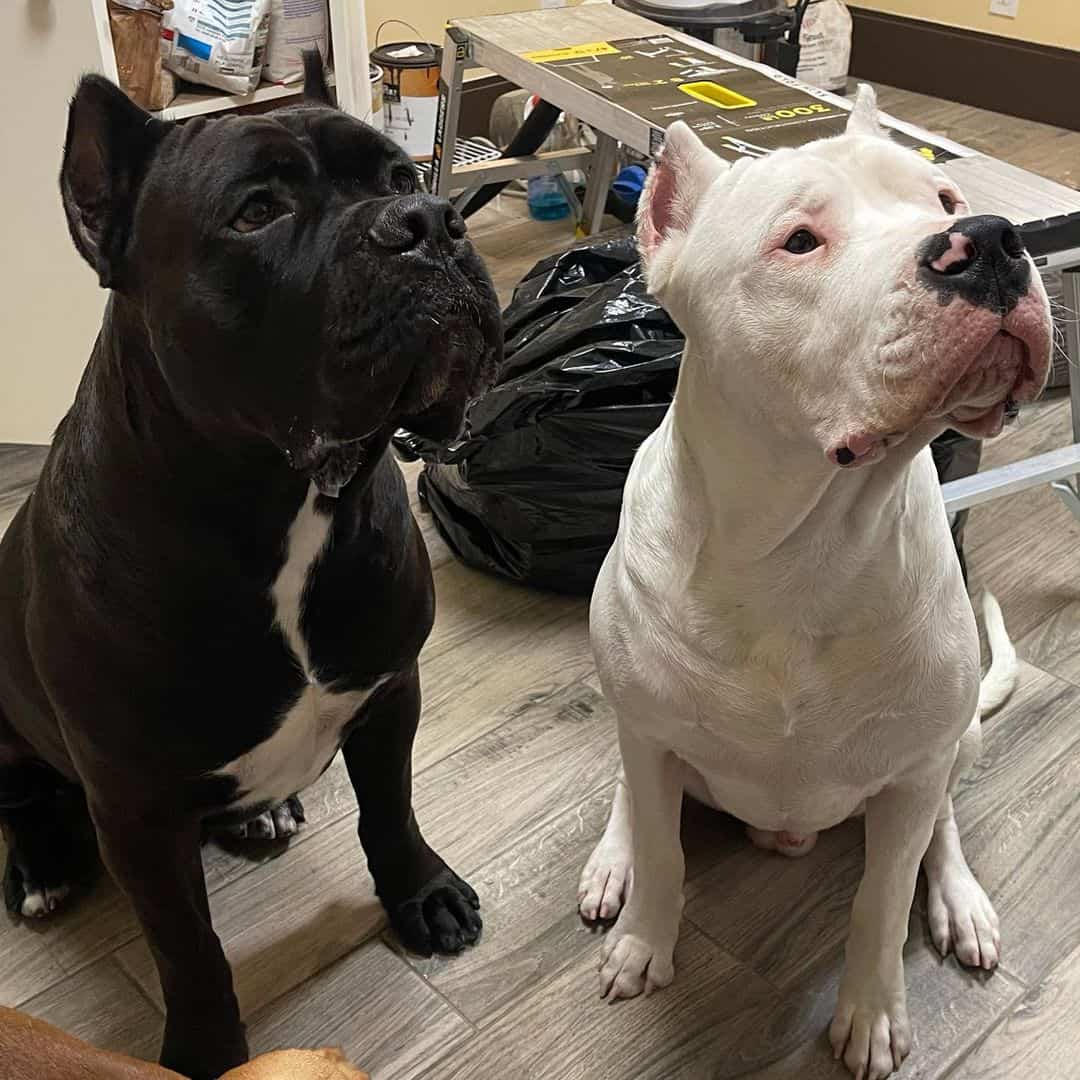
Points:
(546, 199)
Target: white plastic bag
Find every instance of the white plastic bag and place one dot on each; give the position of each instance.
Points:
(826, 44)
(295, 25)
(216, 42)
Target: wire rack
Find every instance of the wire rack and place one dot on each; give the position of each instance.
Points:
(466, 152)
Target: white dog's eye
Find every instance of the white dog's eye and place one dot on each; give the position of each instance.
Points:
(948, 203)
(801, 242)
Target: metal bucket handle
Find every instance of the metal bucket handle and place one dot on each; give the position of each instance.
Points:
(400, 22)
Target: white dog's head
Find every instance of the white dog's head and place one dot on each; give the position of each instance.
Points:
(841, 293)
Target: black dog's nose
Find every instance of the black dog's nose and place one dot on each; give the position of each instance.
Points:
(413, 220)
(980, 259)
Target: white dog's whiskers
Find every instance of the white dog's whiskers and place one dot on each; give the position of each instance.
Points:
(1058, 348)
(1057, 305)
(885, 386)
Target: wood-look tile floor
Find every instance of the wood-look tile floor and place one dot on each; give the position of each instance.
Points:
(514, 767)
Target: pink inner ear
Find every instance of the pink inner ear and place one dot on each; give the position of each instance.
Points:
(660, 206)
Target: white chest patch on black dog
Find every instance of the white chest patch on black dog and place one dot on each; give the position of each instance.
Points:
(310, 732)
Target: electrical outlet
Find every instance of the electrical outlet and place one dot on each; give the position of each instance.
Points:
(1009, 8)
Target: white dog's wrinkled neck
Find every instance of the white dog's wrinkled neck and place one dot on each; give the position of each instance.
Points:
(761, 485)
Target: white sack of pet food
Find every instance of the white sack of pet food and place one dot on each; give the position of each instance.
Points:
(295, 25)
(216, 42)
(826, 45)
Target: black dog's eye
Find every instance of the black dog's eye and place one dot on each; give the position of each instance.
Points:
(801, 242)
(403, 181)
(948, 203)
(257, 212)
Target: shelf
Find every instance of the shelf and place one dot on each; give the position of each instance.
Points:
(196, 102)
(347, 23)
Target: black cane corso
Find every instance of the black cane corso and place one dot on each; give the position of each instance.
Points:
(217, 583)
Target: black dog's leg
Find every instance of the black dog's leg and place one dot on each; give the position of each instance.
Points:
(46, 827)
(160, 869)
(430, 907)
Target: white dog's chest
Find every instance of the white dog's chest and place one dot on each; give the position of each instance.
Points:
(793, 733)
(801, 760)
(309, 735)
(775, 770)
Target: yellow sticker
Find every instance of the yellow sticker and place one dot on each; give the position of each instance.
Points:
(927, 152)
(570, 52)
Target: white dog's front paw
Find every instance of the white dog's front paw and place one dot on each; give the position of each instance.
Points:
(871, 1031)
(634, 964)
(605, 881)
(962, 919)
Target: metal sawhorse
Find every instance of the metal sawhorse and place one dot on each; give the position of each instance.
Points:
(500, 42)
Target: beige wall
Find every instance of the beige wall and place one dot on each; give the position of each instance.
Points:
(430, 16)
(50, 305)
(1048, 22)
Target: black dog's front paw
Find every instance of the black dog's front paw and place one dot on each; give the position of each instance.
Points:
(441, 918)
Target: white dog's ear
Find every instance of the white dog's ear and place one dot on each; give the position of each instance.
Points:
(864, 113)
(683, 171)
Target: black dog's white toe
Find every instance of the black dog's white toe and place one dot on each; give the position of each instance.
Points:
(26, 896)
(51, 854)
(441, 918)
(280, 823)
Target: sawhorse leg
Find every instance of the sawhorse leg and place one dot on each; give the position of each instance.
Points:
(1069, 488)
(456, 53)
(601, 173)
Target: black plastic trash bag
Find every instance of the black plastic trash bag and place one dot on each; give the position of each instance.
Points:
(956, 456)
(532, 491)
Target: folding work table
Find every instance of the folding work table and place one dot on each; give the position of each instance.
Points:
(578, 59)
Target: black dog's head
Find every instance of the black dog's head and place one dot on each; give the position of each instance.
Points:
(294, 284)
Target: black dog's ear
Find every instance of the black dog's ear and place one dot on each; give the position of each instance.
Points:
(315, 88)
(109, 142)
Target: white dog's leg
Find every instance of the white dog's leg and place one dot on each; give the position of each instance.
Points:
(607, 875)
(638, 950)
(961, 917)
(870, 1029)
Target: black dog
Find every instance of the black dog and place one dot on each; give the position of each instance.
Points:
(217, 582)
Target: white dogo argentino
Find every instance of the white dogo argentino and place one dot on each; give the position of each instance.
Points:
(781, 625)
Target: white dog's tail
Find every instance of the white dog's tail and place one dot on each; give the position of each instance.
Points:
(1000, 681)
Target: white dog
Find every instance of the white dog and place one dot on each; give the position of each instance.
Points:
(781, 625)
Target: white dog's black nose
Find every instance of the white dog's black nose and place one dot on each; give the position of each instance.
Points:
(981, 259)
(415, 220)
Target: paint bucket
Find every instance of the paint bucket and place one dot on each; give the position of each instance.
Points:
(375, 77)
(410, 94)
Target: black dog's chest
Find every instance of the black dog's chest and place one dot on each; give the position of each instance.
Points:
(276, 627)
(299, 749)
(310, 727)
(323, 639)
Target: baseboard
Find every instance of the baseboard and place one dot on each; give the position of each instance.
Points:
(1036, 82)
